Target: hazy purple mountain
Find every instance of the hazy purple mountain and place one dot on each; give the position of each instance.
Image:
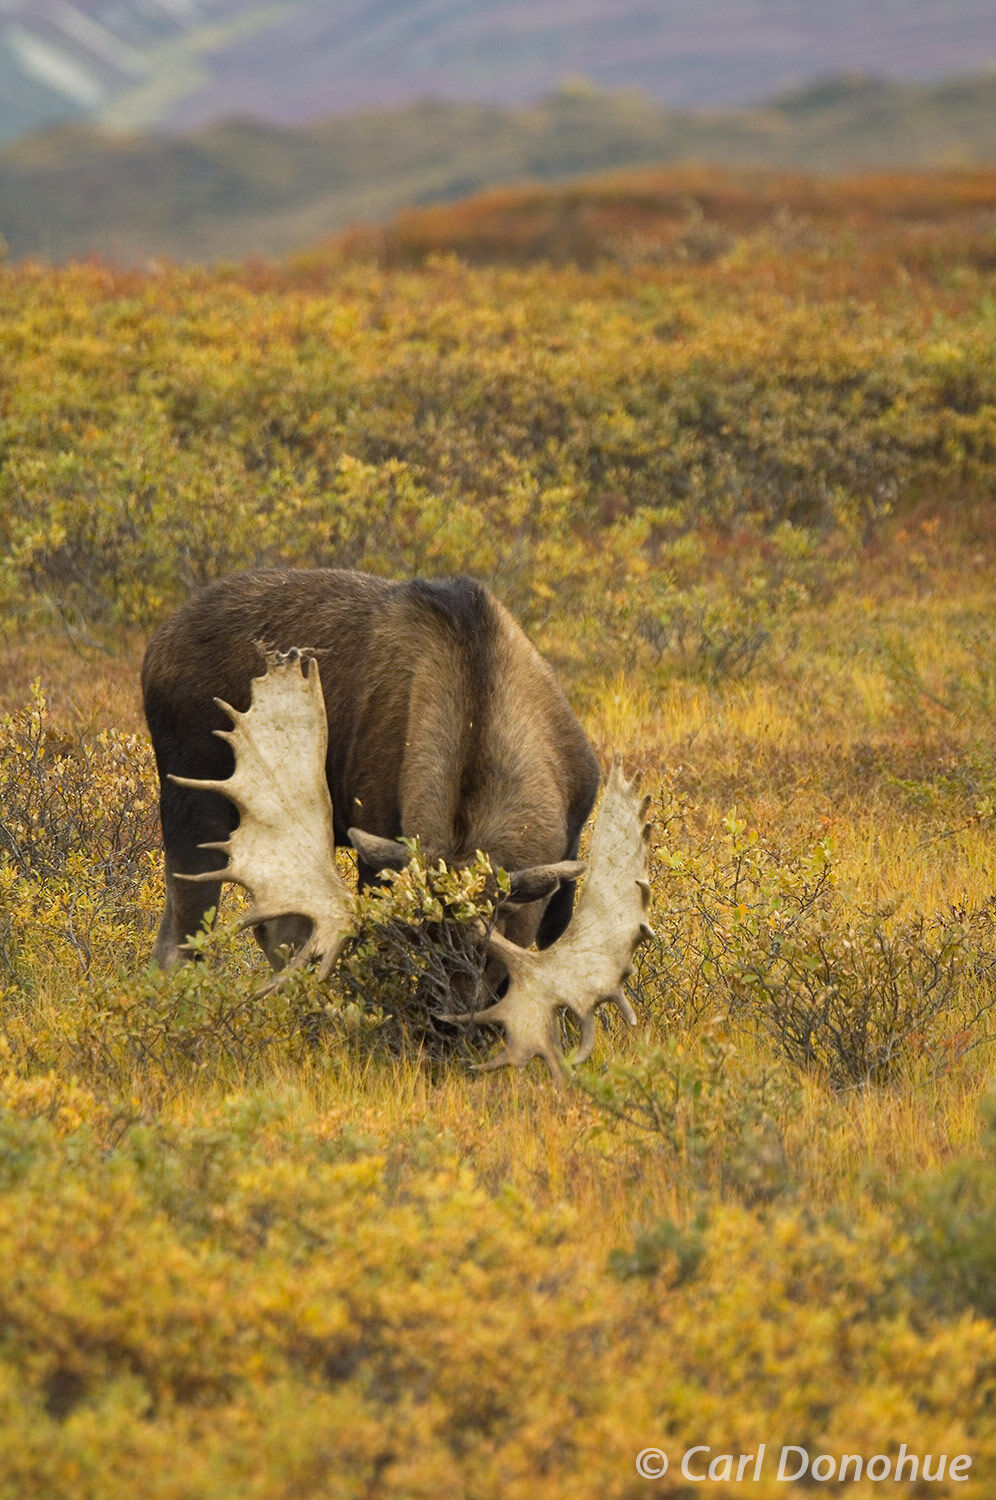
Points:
(142, 63)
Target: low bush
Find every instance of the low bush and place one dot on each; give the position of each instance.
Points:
(69, 792)
(770, 936)
(710, 1111)
(420, 955)
(952, 1216)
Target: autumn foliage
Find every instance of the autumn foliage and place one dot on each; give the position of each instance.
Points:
(726, 448)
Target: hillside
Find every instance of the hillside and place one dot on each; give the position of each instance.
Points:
(691, 215)
(242, 188)
(137, 64)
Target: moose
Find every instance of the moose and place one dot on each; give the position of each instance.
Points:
(388, 711)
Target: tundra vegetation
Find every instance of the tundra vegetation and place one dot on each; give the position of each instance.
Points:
(735, 478)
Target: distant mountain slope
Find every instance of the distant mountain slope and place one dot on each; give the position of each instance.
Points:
(242, 188)
(136, 64)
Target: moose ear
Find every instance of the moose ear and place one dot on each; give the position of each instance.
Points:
(378, 853)
(539, 881)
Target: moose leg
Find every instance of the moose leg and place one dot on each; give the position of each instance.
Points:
(187, 901)
(189, 819)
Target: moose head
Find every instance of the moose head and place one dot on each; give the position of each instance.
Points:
(283, 853)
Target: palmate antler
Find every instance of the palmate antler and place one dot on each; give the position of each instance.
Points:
(283, 851)
(588, 964)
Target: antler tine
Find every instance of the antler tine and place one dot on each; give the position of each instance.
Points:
(283, 851)
(587, 965)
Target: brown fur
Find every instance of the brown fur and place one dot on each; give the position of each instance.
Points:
(444, 722)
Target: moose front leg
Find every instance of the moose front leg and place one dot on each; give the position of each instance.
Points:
(187, 903)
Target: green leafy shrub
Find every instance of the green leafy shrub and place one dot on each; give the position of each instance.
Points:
(952, 1215)
(710, 1112)
(70, 793)
(419, 958)
(663, 1244)
(717, 638)
(849, 994)
(420, 955)
(78, 825)
(165, 1029)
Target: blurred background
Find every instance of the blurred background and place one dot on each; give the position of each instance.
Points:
(205, 129)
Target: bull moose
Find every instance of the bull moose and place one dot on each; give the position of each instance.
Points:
(387, 710)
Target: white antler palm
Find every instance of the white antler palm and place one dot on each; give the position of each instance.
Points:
(283, 850)
(588, 964)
